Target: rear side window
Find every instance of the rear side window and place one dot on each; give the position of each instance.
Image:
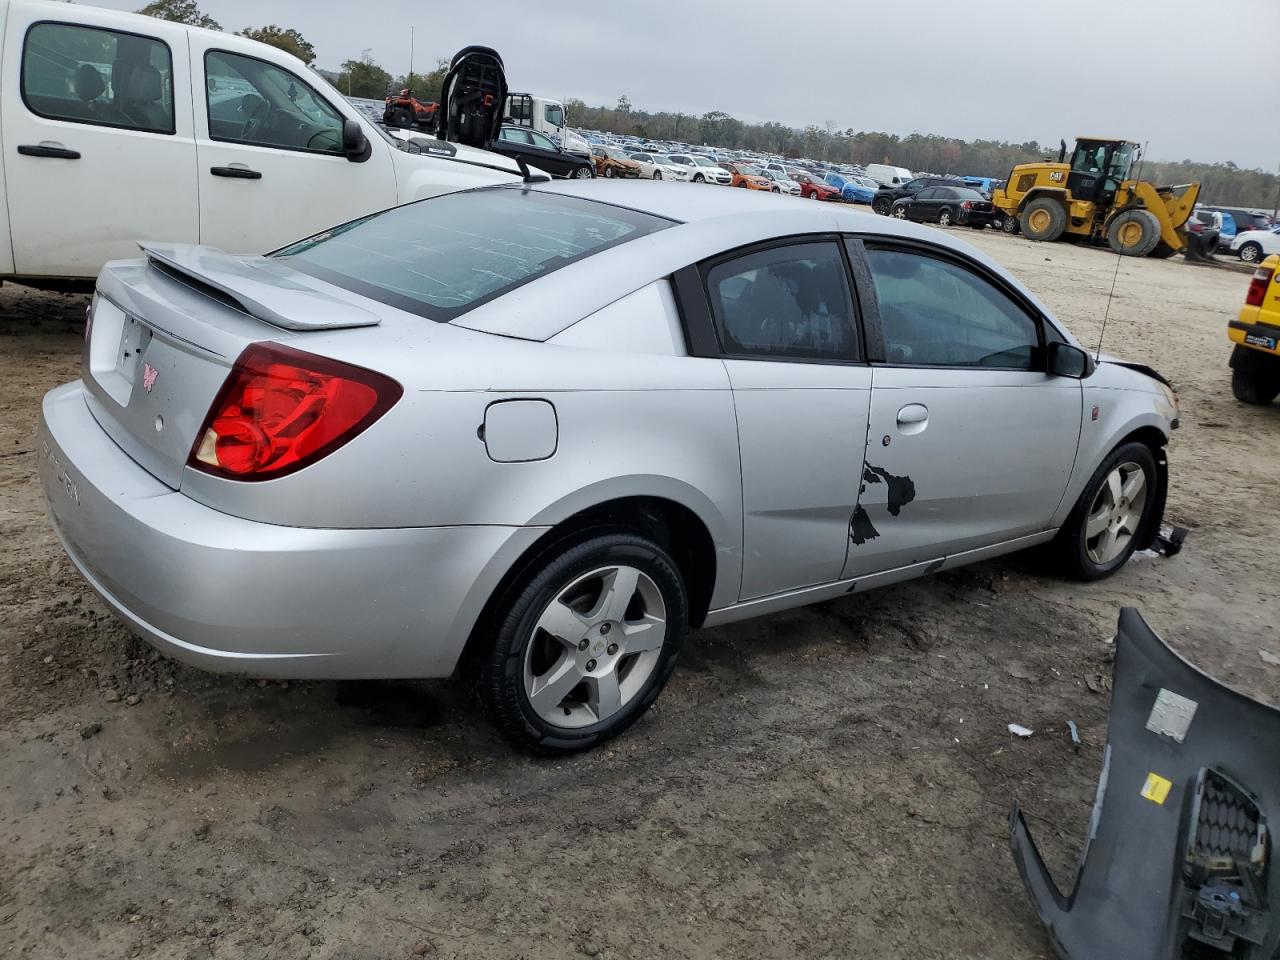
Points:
(101, 77)
(936, 313)
(788, 302)
(441, 257)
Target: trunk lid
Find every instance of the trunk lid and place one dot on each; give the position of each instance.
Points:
(165, 332)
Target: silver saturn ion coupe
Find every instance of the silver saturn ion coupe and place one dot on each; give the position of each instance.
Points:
(533, 433)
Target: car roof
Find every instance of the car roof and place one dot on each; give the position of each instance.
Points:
(708, 222)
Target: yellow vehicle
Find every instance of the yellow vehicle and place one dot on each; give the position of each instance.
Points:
(1255, 362)
(1093, 198)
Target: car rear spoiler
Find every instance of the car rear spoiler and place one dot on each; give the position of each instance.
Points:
(1180, 856)
(264, 288)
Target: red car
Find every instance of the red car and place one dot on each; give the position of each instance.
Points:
(812, 187)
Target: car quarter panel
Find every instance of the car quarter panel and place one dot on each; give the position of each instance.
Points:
(217, 591)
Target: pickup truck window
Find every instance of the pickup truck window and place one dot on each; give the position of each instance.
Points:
(102, 77)
(254, 102)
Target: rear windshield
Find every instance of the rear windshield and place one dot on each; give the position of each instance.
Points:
(441, 257)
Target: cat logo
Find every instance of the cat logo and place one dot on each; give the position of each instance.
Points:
(1057, 176)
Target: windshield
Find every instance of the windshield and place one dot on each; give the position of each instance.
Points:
(748, 170)
(441, 257)
(554, 114)
(867, 182)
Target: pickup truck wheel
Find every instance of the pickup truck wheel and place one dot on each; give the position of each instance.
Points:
(1251, 252)
(583, 644)
(881, 205)
(1043, 219)
(1258, 387)
(1111, 515)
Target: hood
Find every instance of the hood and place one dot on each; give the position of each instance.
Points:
(1141, 368)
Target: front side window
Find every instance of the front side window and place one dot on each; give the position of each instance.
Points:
(554, 114)
(789, 302)
(936, 313)
(101, 77)
(446, 255)
(928, 193)
(538, 140)
(254, 102)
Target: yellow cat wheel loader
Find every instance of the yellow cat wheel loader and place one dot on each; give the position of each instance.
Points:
(1094, 199)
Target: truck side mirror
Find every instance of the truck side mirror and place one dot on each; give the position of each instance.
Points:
(1067, 360)
(355, 145)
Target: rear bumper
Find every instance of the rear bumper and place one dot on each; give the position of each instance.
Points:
(1262, 337)
(236, 596)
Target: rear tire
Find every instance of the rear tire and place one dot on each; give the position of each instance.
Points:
(1089, 551)
(608, 172)
(1009, 225)
(1133, 233)
(613, 687)
(1251, 252)
(401, 117)
(1043, 219)
(944, 217)
(1256, 387)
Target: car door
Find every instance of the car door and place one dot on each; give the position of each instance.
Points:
(920, 206)
(784, 322)
(99, 151)
(970, 441)
(515, 142)
(548, 156)
(269, 154)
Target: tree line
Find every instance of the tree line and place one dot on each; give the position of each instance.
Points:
(1222, 183)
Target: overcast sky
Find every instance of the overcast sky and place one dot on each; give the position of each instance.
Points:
(1187, 76)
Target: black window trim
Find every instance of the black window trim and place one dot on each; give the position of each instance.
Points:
(208, 112)
(879, 241)
(173, 94)
(693, 303)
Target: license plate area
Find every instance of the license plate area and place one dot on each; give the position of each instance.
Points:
(1259, 340)
(117, 343)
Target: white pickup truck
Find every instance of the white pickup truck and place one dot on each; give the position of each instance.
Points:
(116, 128)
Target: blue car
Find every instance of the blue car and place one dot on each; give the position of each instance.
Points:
(853, 189)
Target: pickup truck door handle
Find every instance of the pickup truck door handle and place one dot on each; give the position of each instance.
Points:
(237, 171)
(48, 149)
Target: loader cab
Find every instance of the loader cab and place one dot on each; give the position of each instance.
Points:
(1098, 167)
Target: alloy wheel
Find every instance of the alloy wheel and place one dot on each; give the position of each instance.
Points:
(900, 213)
(944, 218)
(594, 646)
(1116, 512)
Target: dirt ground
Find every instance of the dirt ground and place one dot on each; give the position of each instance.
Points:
(830, 782)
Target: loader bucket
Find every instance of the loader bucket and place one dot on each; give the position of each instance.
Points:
(1200, 246)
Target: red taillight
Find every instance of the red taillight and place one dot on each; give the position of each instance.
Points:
(966, 205)
(281, 409)
(1258, 286)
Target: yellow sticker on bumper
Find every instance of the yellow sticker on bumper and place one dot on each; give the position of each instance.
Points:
(1157, 788)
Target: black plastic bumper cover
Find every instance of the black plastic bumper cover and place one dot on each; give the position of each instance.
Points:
(1179, 860)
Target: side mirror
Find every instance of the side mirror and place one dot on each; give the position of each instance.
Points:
(355, 145)
(1066, 360)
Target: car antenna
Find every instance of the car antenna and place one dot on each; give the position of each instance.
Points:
(1097, 354)
(524, 170)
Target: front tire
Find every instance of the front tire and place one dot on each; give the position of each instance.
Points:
(900, 213)
(1133, 233)
(657, 174)
(698, 178)
(609, 174)
(1251, 252)
(583, 643)
(1009, 225)
(881, 205)
(1112, 515)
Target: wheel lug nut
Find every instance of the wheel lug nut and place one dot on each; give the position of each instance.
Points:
(605, 627)
(613, 648)
(582, 644)
(591, 664)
